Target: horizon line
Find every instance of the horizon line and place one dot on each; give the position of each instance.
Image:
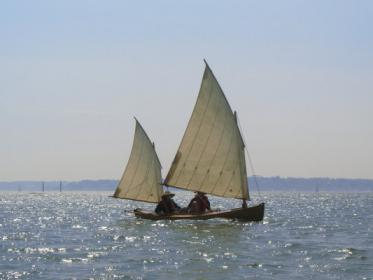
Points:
(252, 176)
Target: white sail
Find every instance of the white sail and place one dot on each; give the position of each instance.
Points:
(211, 155)
(141, 179)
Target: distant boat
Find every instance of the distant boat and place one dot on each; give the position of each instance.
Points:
(210, 159)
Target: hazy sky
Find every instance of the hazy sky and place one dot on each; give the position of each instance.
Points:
(74, 73)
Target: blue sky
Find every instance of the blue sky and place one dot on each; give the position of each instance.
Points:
(74, 73)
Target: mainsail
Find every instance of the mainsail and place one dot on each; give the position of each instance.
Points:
(141, 179)
(211, 155)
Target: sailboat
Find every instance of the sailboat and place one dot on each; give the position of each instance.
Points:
(210, 159)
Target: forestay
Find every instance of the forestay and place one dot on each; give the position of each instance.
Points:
(211, 155)
(141, 179)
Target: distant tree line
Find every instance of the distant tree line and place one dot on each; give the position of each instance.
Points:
(262, 183)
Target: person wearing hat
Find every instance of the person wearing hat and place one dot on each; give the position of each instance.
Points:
(167, 205)
(199, 204)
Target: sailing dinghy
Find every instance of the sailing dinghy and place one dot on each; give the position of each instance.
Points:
(210, 159)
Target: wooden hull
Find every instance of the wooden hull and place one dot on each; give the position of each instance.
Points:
(250, 214)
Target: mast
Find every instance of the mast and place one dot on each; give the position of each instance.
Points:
(211, 156)
(42, 186)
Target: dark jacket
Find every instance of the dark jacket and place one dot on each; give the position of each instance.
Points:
(202, 204)
(166, 206)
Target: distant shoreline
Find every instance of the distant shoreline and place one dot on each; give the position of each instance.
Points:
(284, 184)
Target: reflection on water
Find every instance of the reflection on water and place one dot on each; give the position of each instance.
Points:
(89, 235)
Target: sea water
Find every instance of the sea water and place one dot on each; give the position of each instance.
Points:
(88, 235)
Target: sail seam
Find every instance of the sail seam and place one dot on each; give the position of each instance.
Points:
(225, 162)
(230, 181)
(136, 169)
(218, 147)
(170, 175)
(119, 189)
(199, 128)
(141, 184)
(204, 150)
(220, 88)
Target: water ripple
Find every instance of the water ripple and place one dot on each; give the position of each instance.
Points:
(89, 235)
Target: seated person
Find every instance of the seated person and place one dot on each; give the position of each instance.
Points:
(167, 205)
(199, 204)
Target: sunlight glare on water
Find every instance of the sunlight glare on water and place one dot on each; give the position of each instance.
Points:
(85, 235)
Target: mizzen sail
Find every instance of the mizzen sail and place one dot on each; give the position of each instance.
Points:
(211, 155)
(141, 179)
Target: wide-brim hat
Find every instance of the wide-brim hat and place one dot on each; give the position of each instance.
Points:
(198, 192)
(167, 193)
